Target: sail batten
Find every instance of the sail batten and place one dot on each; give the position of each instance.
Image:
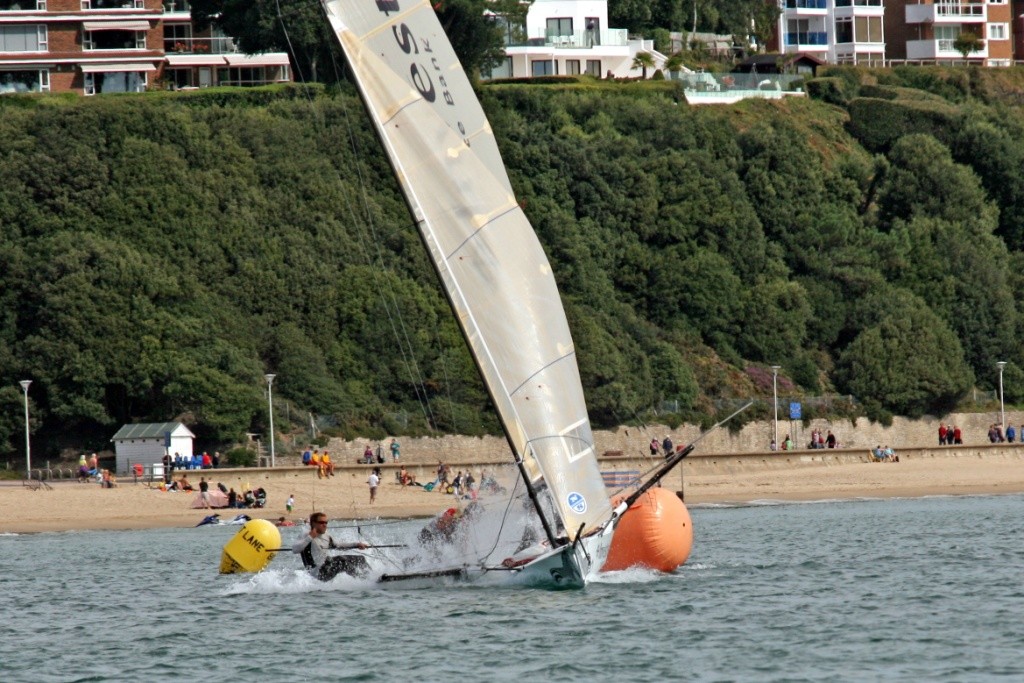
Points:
(492, 267)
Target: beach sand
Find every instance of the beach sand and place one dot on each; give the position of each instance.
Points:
(73, 506)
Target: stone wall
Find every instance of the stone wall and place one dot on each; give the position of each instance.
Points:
(753, 437)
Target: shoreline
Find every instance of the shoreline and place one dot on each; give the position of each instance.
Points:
(70, 506)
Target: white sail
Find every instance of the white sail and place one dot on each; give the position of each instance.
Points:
(490, 262)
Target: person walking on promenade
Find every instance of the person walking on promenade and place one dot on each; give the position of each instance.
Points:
(395, 450)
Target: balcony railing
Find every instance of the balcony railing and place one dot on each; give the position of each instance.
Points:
(860, 3)
(192, 46)
(807, 38)
(171, 6)
(615, 37)
(806, 4)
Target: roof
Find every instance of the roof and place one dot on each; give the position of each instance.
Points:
(155, 430)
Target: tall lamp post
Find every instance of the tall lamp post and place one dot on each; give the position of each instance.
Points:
(270, 403)
(28, 450)
(1002, 407)
(775, 404)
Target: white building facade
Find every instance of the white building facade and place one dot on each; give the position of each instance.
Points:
(569, 37)
(835, 31)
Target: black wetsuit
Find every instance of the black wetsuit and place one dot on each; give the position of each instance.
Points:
(325, 567)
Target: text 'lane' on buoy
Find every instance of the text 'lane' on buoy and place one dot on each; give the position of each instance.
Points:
(251, 549)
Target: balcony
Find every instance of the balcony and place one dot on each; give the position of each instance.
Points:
(612, 37)
(804, 38)
(940, 49)
(804, 8)
(200, 46)
(971, 12)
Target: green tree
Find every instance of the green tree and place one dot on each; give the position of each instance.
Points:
(905, 360)
(967, 42)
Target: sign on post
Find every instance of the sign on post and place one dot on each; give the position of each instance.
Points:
(794, 410)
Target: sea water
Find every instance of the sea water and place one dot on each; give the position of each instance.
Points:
(905, 590)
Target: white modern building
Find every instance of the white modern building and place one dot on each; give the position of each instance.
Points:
(569, 37)
(835, 31)
(146, 444)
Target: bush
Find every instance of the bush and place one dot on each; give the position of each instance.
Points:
(830, 90)
(240, 457)
(879, 123)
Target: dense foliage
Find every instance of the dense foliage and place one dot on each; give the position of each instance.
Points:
(159, 253)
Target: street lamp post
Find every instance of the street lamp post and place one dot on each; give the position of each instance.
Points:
(775, 404)
(28, 450)
(1002, 407)
(270, 403)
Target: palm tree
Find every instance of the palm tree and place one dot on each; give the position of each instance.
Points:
(643, 61)
(674, 62)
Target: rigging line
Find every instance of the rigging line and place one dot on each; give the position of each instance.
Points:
(415, 375)
(504, 517)
(406, 348)
(413, 370)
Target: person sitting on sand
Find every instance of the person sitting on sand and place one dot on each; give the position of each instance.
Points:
(184, 485)
(890, 454)
(406, 479)
(876, 454)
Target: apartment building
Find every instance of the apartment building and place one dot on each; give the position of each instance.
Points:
(834, 31)
(107, 46)
(925, 30)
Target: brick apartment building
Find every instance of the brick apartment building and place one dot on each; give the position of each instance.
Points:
(105, 46)
(920, 30)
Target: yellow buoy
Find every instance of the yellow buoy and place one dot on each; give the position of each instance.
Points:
(251, 549)
(655, 532)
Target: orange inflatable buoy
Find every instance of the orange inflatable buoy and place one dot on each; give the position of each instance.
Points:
(655, 532)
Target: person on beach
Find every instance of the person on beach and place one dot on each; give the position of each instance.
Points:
(307, 456)
(654, 447)
(367, 455)
(184, 484)
(830, 440)
(394, 450)
(666, 446)
(204, 493)
(373, 482)
(94, 465)
(289, 504)
(313, 547)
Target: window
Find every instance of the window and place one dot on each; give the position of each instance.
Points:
(572, 67)
(114, 40)
(117, 81)
(868, 30)
(559, 26)
(998, 31)
(844, 30)
(177, 37)
(542, 67)
(594, 68)
(503, 70)
(22, 5)
(23, 38)
(36, 80)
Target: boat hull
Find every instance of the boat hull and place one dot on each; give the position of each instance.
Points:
(570, 566)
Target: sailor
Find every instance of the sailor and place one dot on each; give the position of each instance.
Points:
(313, 547)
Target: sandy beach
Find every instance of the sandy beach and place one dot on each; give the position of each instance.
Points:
(74, 506)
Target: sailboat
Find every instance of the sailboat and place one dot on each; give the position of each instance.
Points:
(491, 266)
